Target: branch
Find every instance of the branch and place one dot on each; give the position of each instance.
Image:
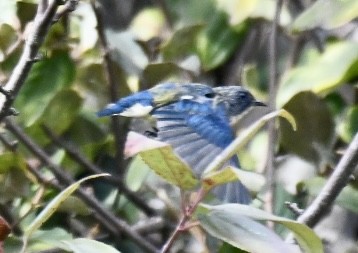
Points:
(335, 184)
(272, 132)
(40, 27)
(113, 224)
(119, 126)
(76, 155)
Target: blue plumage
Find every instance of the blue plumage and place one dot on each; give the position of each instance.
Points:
(195, 120)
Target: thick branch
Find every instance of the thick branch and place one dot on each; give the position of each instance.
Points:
(40, 27)
(106, 218)
(337, 181)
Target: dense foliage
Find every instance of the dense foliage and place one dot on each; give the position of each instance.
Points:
(302, 58)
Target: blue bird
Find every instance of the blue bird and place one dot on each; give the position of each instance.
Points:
(195, 120)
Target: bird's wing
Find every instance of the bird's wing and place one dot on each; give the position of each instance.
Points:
(196, 131)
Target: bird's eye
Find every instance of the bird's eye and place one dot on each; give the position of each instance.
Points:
(210, 95)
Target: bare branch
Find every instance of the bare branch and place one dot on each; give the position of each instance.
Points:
(272, 132)
(335, 184)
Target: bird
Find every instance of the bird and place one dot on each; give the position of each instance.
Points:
(195, 120)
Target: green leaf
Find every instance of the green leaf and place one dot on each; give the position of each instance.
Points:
(182, 42)
(9, 160)
(43, 240)
(251, 180)
(46, 78)
(321, 75)
(54, 205)
(218, 41)
(62, 110)
(8, 12)
(83, 245)
(348, 197)
(234, 224)
(136, 174)
(315, 128)
(336, 13)
(349, 126)
(169, 166)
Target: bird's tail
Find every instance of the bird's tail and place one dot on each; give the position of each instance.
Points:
(234, 192)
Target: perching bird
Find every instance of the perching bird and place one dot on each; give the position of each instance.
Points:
(195, 120)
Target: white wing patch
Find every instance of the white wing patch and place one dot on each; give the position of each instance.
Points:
(188, 97)
(137, 110)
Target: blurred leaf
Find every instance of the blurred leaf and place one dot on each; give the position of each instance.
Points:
(349, 126)
(126, 52)
(321, 75)
(251, 180)
(62, 110)
(14, 183)
(148, 23)
(136, 174)
(8, 38)
(327, 14)
(5, 229)
(182, 42)
(348, 197)
(167, 165)
(233, 224)
(9, 160)
(228, 248)
(83, 245)
(51, 207)
(158, 72)
(46, 78)
(8, 13)
(84, 22)
(218, 41)
(43, 240)
(315, 128)
(74, 205)
(26, 10)
(240, 10)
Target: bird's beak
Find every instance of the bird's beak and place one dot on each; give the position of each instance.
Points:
(258, 103)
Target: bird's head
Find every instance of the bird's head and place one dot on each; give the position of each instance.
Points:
(236, 99)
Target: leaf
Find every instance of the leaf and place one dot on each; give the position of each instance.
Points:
(348, 197)
(167, 165)
(136, 174)
(349, 126)
(83, 245)
(43, 240)
(251, 180)
(218, 41)
(315, 128)
(10, 160)
(8, 12)
(51, 207)
(322, 74)
(182, 42)
(126, 52)
(244, 137)
(46, 78)
(62, 110)
(328, 14)
(234, 224)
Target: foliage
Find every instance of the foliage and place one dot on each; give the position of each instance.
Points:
(101, 50)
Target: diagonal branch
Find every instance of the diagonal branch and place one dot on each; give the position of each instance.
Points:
(337, 181)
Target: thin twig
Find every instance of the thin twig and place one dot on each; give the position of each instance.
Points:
(69, 6)
(272, 98)
(40, 27)
(113, 224)
(336, 182)
(78, 157)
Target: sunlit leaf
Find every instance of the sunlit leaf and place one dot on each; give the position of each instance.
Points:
(84, 245)
(234, 223)
(9, 160)
(51, 207)
(252, 181)
(348, 197)
(322, 74)
(167, 165)
(8, 12)
(349, 126)
(327, 14)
